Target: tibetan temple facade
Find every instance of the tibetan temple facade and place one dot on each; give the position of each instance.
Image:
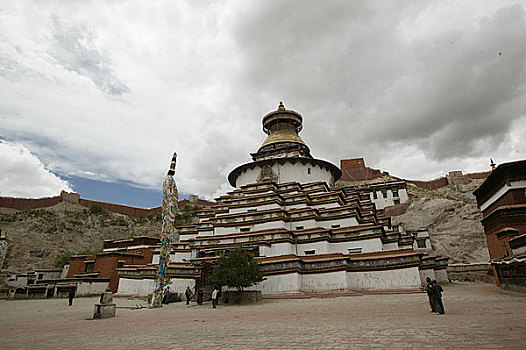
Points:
(306, 234)
(502, 201)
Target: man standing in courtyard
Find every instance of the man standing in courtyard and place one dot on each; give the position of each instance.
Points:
(429, 290)
(71, 295)
(437, 297)
(214, 298)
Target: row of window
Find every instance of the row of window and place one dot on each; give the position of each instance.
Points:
(356, 250)
(384, 194)
(298, 228)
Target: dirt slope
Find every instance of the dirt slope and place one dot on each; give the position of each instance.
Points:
(452, 218)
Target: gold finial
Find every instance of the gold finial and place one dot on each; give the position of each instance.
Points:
(281, 107)
(492, 164)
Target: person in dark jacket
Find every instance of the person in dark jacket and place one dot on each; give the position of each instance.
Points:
(437, 296)
(71, 295)
(429, 290)
(188, 294)
(200, 295)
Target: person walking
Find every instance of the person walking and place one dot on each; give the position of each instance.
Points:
(437, 296)
(188, 294)
(429, 290)
(71, 295)
(214, 298)
(200, 294)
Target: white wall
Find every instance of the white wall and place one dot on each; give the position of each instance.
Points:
(342, 222)
(283, 248)
(408, 278)
(441, 276)
(307, 224)
(296, 206)
(90, 288)
(328, 281)
(180, 256)
(390, 246)
(155, 258)
(326, 205)
(367, 245)
(136, 286)
(254, 206)
(381, 202)
(178, 285)
(280, 284)
(288, 172)
(320, 247)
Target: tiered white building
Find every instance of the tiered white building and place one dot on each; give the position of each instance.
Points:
(306, 235)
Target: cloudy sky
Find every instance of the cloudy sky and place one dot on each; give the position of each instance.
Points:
(96, 96)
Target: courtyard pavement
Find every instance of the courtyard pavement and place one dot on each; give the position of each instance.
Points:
(478, 316)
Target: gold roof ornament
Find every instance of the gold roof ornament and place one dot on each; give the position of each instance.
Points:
(282, 126)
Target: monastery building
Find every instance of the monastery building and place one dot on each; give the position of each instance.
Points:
(306, 234)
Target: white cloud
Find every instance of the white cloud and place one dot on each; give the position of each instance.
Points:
(109, 92)
(24, 175)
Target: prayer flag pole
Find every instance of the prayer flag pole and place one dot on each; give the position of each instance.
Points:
(170, 205)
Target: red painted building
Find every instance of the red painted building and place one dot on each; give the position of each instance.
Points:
(116, 254)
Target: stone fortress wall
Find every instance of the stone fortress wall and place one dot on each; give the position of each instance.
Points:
(39, 203)
(354, 170)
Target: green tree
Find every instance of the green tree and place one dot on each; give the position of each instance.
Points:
(236, 269)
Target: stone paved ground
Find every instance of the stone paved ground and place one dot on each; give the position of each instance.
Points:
(478, 316)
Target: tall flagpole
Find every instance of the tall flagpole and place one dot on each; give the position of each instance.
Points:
(170, 198)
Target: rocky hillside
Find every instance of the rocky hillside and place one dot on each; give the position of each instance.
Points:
(453, 219)
(37, 237)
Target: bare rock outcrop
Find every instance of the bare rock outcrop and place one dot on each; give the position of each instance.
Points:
(452, 218)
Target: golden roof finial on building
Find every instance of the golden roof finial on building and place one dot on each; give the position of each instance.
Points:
(492, 164)
(281, 107)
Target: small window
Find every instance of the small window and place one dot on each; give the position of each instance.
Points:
(375, 196)
(299, 227)
(310, 252)
(89, 267)
(421, 243)
(396, 201)
(354, 250)
(335, 226)
(120, 264)
(384, 193)
(40, 277)
(395, 193)
(308, 171)
(244, 229)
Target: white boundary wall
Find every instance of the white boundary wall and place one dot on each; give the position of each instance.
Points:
(90, 288)
(408, 278)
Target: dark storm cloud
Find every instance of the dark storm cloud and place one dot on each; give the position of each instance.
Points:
(362, 81)
(416, 88)
(74, 49)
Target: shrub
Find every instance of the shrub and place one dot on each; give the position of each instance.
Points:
(97, 209)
